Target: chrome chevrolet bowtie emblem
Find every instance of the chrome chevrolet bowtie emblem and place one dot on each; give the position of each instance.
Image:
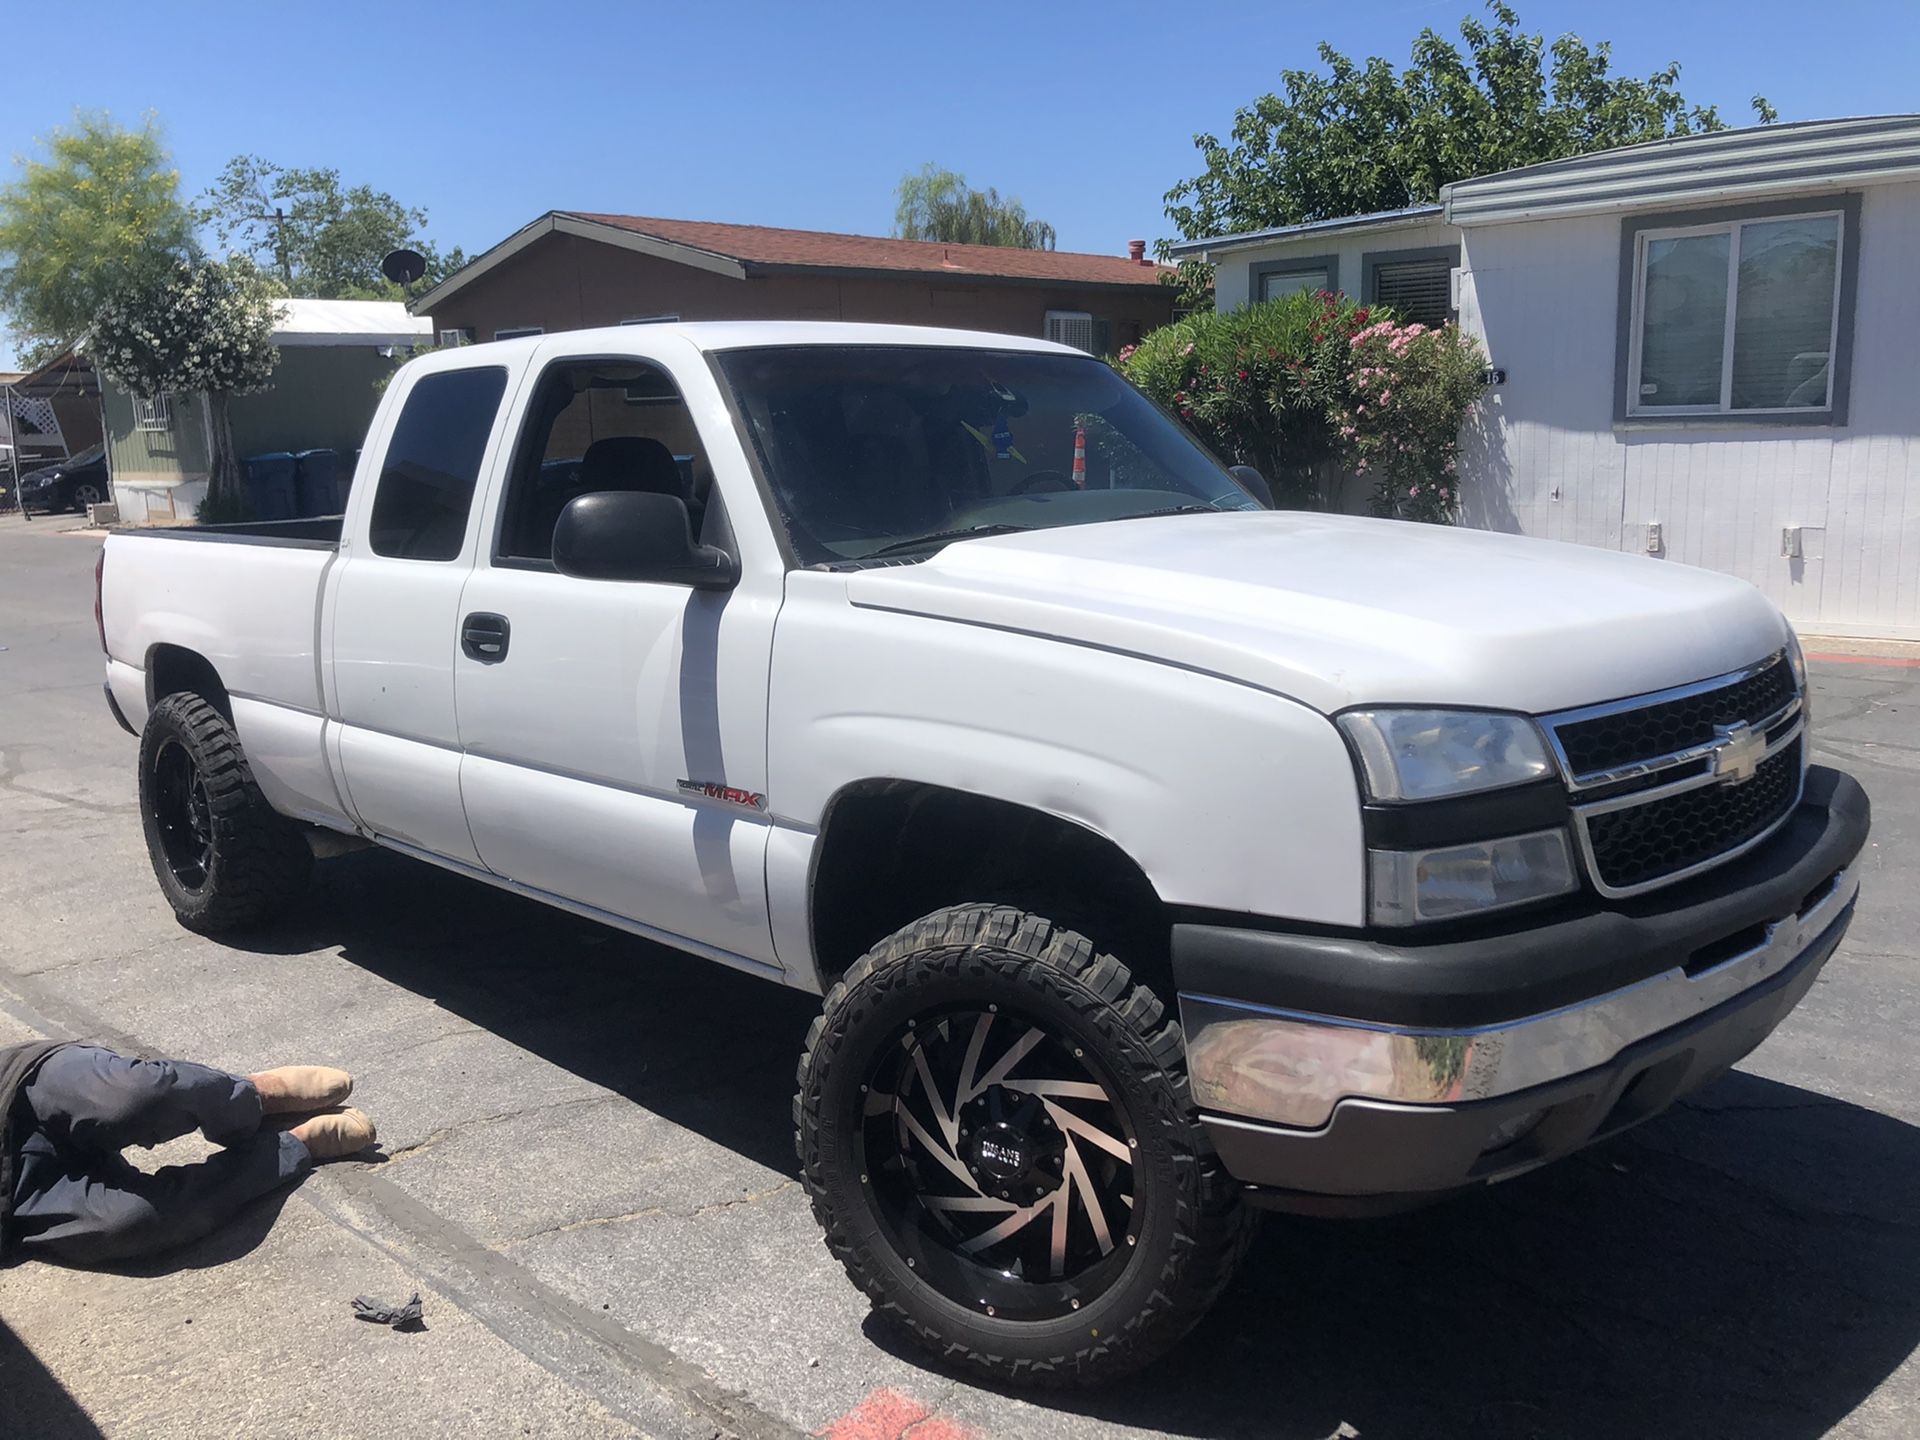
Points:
(1736, 759)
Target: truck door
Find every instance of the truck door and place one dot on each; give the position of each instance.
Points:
(393, 630)
(615, 732)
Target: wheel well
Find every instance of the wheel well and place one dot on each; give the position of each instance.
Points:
(173, 669)
(891, 851)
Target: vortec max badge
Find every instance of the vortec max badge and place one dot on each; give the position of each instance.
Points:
(752, 799)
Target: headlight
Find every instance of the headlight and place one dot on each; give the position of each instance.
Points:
(1428, 754)
(1410, 887)
(1797, 658)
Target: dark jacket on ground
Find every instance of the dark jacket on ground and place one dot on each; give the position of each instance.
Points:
(17, 1064)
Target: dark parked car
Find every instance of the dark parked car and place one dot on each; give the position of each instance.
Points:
(73, 484)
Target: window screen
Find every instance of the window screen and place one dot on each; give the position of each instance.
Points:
(432, 463)
(1416, 290)
(1071, 327)
(1737, 317)
(1292, 282)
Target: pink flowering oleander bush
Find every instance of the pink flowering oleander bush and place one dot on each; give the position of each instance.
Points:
(1408, 390)
(1256, 384)
(1279, 386)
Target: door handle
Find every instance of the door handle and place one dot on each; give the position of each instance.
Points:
(483, 637)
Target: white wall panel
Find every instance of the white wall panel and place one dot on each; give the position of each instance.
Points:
(1550, 461)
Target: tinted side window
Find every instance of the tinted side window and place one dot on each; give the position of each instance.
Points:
(433, 462)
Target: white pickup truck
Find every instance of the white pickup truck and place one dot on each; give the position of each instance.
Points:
(1158, 855)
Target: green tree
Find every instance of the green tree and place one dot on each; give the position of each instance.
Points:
(320, 237)
(201, 327)
(936, 204)
(1351, 138)
(100, 208)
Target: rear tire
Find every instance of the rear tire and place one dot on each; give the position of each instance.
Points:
(910, 1160)
(224, 858)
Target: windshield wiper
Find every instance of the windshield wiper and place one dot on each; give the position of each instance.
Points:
(941, 537)
(1174, 510)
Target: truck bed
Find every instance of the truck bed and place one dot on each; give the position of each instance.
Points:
(246, 598)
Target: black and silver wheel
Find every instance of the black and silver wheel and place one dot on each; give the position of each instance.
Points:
(224, 858)
(84, 494)
(994, 1129)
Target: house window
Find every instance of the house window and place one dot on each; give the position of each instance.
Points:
(519, 332)
(461, 336)
(154, 413)
(1747, 315)
(1417, 285)
(1276, 279)
(1071, 327)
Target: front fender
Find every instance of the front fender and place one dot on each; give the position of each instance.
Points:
(1226, 796)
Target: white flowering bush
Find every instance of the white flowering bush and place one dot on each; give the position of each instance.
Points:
(195, 327)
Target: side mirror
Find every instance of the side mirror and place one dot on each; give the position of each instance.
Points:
(637, 535)
(1254, 483)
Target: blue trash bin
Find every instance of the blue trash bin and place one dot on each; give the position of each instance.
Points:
(270, 485)
(315, 489)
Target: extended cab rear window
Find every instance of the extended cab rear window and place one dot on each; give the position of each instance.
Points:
(433, 462)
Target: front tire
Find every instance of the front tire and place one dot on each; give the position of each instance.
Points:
(224, 858)
(995, 1132)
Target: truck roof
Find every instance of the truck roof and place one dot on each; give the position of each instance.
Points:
(710, 335)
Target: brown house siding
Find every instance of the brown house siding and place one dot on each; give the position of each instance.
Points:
(566, 282)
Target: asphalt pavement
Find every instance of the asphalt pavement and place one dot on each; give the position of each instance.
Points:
(587, 1172)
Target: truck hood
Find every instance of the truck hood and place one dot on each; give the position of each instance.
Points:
(1336, 611)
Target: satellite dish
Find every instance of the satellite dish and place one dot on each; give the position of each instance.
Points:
(403, 267)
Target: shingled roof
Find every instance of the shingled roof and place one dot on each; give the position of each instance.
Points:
(744, 250)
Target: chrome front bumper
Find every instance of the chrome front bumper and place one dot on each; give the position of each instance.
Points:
(1293, 1068)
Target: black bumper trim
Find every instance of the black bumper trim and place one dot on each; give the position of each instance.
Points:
(106, 687)
(1375, 1156)
(1530, 963)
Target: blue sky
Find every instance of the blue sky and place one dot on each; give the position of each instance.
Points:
(489, 113)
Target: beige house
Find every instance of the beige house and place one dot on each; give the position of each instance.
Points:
(1701, 349)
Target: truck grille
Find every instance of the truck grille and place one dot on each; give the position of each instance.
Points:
(1666, 785)
(1642, 844)
(1625, 736)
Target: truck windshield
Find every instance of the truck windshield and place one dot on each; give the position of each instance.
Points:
(878, 448)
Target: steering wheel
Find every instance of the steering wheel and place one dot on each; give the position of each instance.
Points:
(1041, 482)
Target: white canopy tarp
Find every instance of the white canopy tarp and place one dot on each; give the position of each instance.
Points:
(348, 322)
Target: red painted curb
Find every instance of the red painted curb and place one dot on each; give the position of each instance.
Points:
(883, 1415)
(1897, 662)
(888, 1415)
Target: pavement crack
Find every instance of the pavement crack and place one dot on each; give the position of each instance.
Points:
(453, 1034)
(654, 1212)
(446, 1132)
